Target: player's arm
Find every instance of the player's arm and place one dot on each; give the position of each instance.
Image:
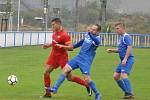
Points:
(96, 40)
(129, 49)
(128, 41)
(45, 46)
(67, 46)
(78, 44)
(112, 50)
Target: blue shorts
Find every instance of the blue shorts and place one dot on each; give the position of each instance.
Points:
(83, 64)
(127, 68)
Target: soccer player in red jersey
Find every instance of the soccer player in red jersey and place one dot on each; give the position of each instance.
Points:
(61, 43)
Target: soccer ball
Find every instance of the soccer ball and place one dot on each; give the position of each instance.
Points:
(12, 79)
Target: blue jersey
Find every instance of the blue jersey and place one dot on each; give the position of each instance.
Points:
(124, 41)
(87, 53)
(88, 48)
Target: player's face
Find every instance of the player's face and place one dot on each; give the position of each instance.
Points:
(55, 26)
(119, 29)
(94, 29)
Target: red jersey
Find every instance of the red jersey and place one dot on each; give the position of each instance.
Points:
(60, 37)
(59, 56)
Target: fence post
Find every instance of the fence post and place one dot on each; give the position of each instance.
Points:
(22, 38)
(5, 40)
(139, 40)
(14, 39)
(45, 38)
(148, 41)
(30, 38)
(38, 39)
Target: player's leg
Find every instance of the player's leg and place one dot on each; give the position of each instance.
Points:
(47, 80)
(61, 78)
(92, 86)
(128, 93)
(85, 69)
(49, 66)
(73, 64)
(78, 80)
(67, 72)
(119, 81)
(124, 75)
(62, 61)
(117, 78)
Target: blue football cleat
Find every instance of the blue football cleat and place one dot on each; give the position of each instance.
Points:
(97, 96)
(53, 90)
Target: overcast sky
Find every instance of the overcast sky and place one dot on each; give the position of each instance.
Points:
(122, 5)
(135, 5)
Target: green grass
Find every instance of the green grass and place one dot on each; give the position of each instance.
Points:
(27, 63)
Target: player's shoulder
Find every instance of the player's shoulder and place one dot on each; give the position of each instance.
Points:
(126, 36)
(65, 36)
(64, 33)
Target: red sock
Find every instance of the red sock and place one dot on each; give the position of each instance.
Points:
(80, 81)
(47, 81)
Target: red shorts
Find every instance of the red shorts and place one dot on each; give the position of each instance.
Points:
(57, 60)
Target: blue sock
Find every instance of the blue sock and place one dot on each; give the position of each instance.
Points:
(121, 85)
(93, 87)
(59, 81)
(128, 85)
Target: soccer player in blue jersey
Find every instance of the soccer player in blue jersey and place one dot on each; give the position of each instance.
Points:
(127, 59)
(83, 60)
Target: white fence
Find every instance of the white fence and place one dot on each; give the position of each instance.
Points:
(24, 38)
(14, 39)
(139, 40)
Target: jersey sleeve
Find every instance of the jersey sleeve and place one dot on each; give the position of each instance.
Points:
(128, 40)
(78, 44)
(96, 39)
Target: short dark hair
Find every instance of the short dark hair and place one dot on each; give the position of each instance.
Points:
(56, 20)
(120, 24)
(98, 27)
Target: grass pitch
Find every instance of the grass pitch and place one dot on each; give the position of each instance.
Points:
(27, 63)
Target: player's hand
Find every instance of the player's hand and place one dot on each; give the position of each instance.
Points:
(90, 33)
(59, 45)
(124, 62)
(54, 41)
(109, 50)
(45, 46)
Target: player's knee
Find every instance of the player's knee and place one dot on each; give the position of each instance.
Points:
(116, 77)
(87, 79)
(46, 73)
(69, 78)
(65, 73)
(65, 70)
